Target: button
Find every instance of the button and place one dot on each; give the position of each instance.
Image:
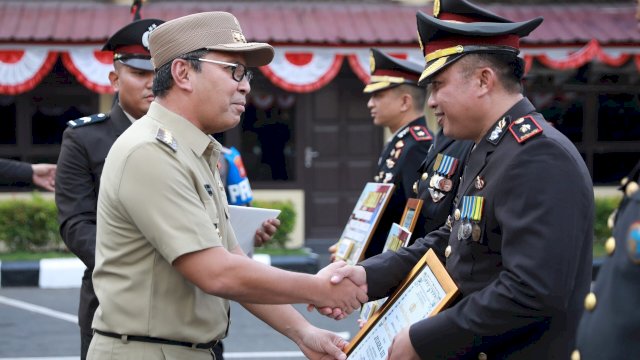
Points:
(590, 302)
(575, 355)
(456, 214)
(424, 176)
(610, 245)
(482, 356)
(415, 187)
(631, 188)
(624, 181)
(447, 251)
(611, 219)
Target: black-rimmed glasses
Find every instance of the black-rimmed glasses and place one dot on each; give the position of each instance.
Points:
(238, 71)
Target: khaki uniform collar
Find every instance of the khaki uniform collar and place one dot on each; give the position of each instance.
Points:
(184, 131)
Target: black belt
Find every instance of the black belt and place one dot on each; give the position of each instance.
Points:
(155, 340)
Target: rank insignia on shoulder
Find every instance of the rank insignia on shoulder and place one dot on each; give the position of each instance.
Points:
(87, 120)
(420, 133)
(498, 131)
(165, 137)
(525, 128)
(633, 242)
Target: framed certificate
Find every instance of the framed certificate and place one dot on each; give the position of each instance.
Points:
(425, 292)
(410, 214)
(363, 221)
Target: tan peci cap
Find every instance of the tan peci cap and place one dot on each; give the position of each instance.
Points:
(215, 30)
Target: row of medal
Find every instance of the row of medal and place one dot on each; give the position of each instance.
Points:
(471, 215)
(440, 183)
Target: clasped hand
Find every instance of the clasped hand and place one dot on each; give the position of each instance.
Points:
(350, 294)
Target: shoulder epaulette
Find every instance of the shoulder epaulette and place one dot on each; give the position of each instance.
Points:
(165, 137)
(525, 128)
(87, 120)
(420, 133)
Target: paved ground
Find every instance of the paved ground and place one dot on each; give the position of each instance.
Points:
(41, 324)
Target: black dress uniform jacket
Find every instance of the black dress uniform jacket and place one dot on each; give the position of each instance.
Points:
(523, 281)
(398, 164)
(610, 326)
(14, 172)
(436, 202)
(85, 146)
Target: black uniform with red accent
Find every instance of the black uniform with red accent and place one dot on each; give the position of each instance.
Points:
(610, 326)
(522, 263)
(398, 164)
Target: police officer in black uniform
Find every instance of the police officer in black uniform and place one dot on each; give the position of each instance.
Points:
(441, 171)
(85, 145)
(518, 244)
(610, 325)
(394, 85)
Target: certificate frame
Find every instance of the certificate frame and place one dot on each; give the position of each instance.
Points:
(363, 221)
(411, 212)
(429, 261)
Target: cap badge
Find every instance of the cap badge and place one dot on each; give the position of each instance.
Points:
(145, 36)
(372, 63)
(420, 42)
(238, 37)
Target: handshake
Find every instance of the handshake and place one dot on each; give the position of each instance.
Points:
(343, 290)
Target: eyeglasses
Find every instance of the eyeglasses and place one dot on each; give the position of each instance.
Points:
(238, 71)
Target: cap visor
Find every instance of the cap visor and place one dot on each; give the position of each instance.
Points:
(435, 66)
(140, 64)
(377, 86)
(256, 54)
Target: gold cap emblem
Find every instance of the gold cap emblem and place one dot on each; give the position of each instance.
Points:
(238, 37)
(372, 63)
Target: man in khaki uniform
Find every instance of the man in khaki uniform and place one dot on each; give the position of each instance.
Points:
(167, 259)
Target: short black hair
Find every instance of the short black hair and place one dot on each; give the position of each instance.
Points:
(509, 67)
(417, 93)
(163, 80)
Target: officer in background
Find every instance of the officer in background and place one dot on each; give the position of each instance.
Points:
(519, 242)
(397, 103)
(610, 326)
(85, 144)
(20, 173)
(441, 171)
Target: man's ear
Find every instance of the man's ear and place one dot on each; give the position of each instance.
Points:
(486, 78)
(114, 80)
(407, 102)
(181, 71)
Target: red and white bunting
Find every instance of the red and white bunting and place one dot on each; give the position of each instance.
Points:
(22, 69)
(294, 69)
(303, 72)
(359, 60)
(91, 67)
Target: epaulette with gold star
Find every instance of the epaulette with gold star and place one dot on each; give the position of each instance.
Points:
(420, 133)
(165, 137)
(525, 128)
(87, 120)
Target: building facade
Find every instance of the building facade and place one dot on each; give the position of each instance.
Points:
(307, 134)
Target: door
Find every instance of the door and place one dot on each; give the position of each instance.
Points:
(340, 153)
